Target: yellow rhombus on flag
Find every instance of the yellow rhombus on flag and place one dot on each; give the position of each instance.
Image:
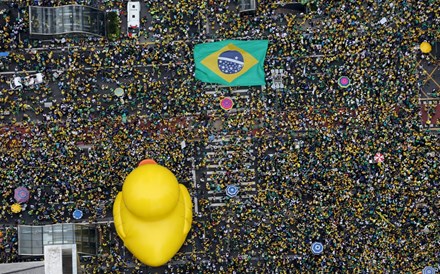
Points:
(231, 62)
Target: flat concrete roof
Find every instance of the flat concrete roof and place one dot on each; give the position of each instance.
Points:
(15, 267)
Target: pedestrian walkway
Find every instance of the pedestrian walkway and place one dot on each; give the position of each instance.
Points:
(241, 98)
(226, 153)
(225, 158)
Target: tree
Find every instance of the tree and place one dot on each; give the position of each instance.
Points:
(113, 26)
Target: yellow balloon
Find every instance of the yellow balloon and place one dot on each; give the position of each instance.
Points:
(152, 213)
(425, 47)
(16, 208)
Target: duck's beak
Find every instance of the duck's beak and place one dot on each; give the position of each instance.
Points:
(147, 162)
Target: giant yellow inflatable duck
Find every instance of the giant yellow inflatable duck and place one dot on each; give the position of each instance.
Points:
(153, 213)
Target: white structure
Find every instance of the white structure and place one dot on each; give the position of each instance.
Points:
(27, 81)
(277, 76)
(248, 6)
(133, 18)
(53, 259)
(60, 258)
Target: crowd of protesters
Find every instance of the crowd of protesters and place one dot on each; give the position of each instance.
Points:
(314, 142)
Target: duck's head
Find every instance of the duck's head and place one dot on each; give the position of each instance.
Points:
(150, 191)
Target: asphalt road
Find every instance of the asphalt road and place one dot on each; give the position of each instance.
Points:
(105, 87)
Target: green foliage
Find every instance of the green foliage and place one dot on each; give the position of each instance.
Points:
(113, 26)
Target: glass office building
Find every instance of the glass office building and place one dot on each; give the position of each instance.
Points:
(32, 239)
(66, 20)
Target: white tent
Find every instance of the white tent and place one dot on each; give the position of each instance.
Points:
(15, 83)
(27, 81)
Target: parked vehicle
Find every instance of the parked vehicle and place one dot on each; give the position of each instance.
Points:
(133, 18)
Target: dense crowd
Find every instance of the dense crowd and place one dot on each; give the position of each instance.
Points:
(321, 185)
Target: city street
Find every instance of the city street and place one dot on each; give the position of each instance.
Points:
(291, 163)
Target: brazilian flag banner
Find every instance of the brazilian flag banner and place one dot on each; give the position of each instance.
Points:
(231, 62)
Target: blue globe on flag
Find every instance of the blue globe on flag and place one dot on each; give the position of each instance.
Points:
(230, 62)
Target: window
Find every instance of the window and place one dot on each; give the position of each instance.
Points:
(32, 239)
